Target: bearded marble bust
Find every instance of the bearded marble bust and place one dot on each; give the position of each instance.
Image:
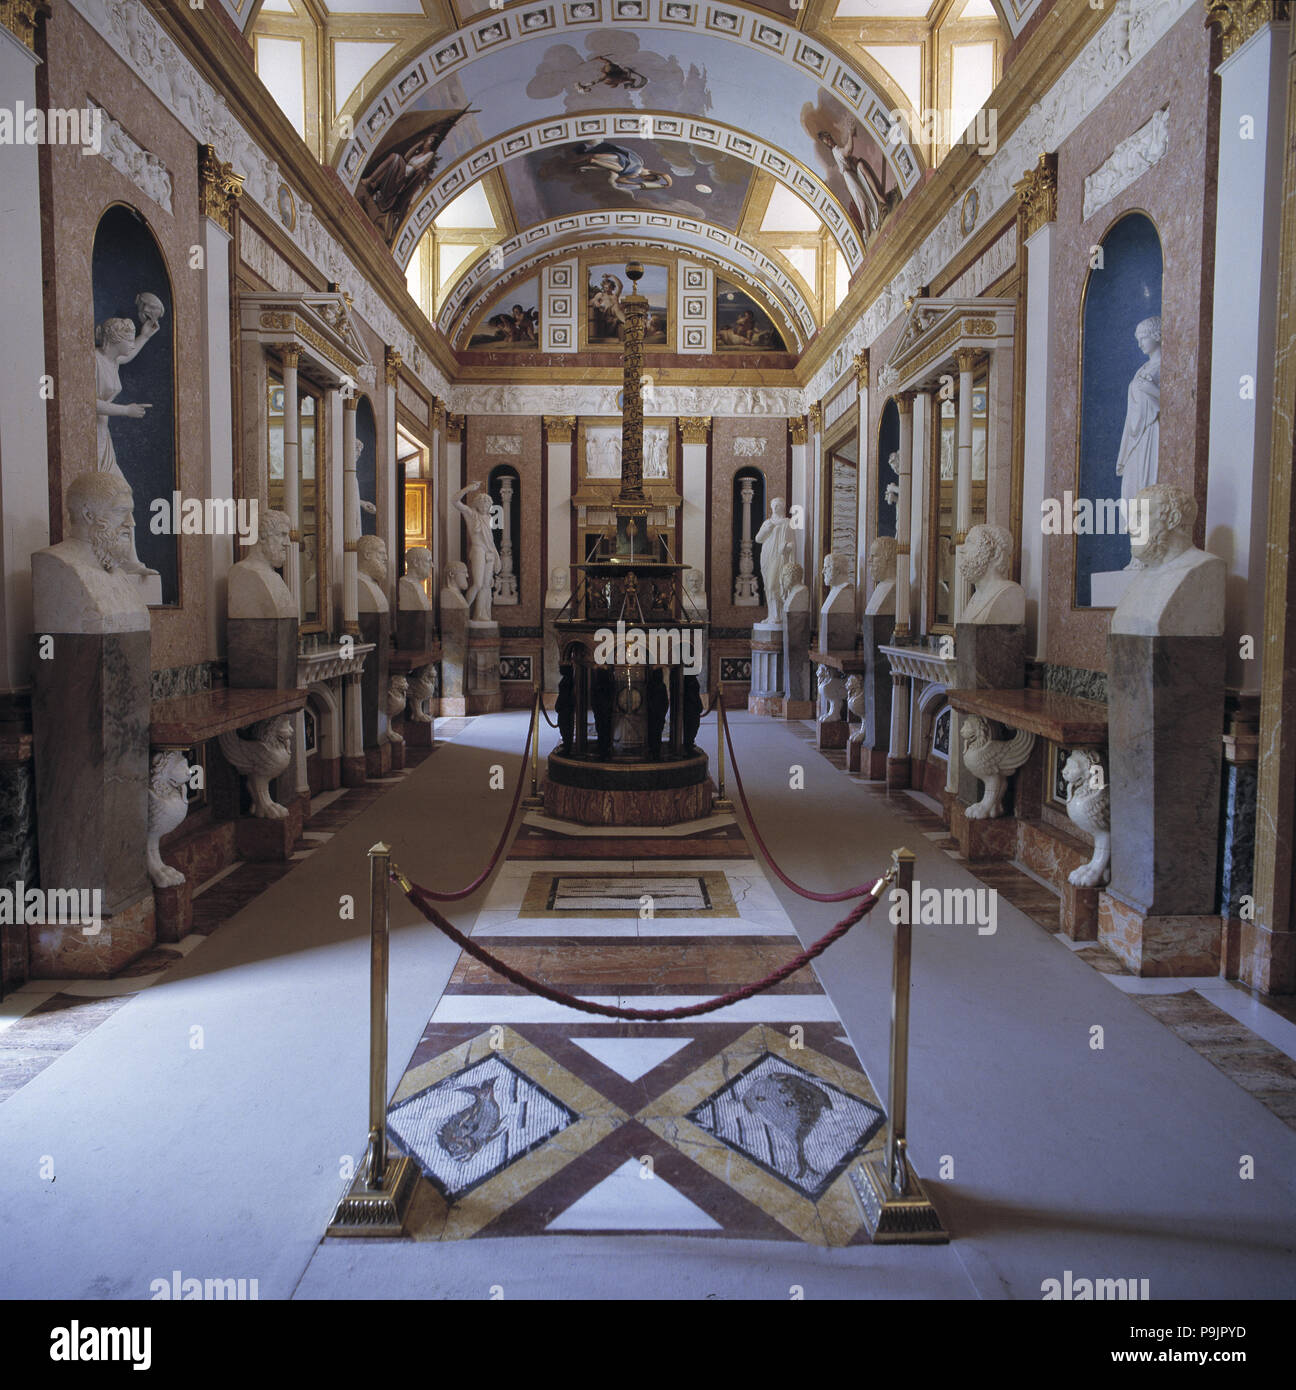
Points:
(986, 561)
(255, 589)
(81, 585)
(882, 570)
(1179, 591)
(371, 561)
(410, 595)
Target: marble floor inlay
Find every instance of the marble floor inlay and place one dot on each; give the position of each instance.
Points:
(528, 1117)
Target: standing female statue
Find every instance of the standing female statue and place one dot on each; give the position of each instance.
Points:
(1136, 463)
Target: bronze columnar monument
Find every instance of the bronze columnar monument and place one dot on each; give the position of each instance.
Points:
(630, 655)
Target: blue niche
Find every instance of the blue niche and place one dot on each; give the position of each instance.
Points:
(126, 264)
(888, 444)
(1117, 298)
(367, 465)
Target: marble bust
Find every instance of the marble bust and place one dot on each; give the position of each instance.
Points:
(452, 592)
(987, 558)
(559, 586)
(371, 561)
(1179, 591)
(796, 597)
(882, 570)
(255, 590)
(837, 616)
(87, 583)
(410, 594)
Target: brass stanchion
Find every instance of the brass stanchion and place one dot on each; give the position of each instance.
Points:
(896, 1208)
(382, 1189)
(720, 802)
(535, 800)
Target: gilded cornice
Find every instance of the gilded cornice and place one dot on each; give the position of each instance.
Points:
(20, 17)
(219, 188)
(1037, 195)
(1239, 20)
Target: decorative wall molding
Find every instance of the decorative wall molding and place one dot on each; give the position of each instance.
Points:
(694, 309)
(997, 260)
(504, 445)
(562, 299)
(1130, 160)
(582, 398)
(748, 446)
(144, 169)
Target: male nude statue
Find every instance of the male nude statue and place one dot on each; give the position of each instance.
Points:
(483, 557)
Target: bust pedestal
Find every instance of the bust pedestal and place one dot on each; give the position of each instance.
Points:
(454, 653)
(989, 656)
(837, 620)
(483, 673)
(1165, 717)
(766, 693)
(798, 691)
(415, 629)
(375, 627)
(869, 755)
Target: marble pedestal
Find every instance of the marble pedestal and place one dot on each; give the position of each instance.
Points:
(454, 660)
(90, 722)
(173, 911)
(988, 656)
(837, 620)
(798, 695)
(415, 629)
(766, 693)
(1165, 720)
(262, 653)
(870, 753)
(265, 840)
(374, 680)
(483, 668)
(982, 839)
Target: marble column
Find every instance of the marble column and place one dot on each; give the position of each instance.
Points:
(449, 484)
(351, 519)
(291, 355)
(390, 467)
(815, 503)
(866, 477)
(898, 764)
(799, 447)
(1036, 210)
(558, 510)
(505, 589)
(694, 433)
(965, 361)
(353, 753)
(904, 603)
(219, 189)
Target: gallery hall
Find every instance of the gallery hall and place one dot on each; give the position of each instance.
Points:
(608, 688)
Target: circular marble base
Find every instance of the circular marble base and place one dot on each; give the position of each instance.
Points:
(629, 793)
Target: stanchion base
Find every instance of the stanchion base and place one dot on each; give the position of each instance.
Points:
(892, 1220)
(721, 803)
(377, 1214)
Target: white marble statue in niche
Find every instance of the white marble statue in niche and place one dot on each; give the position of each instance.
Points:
(255, 589)
(82, 584)
(116, 343)
(777, 548)
(411, 596)
(1136, 462)
(1179, 590)
(986, 559)
(483, 556)
(882, 570)
(168, 804)
(371, 562)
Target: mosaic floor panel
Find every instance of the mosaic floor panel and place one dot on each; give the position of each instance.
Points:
(526, 1117)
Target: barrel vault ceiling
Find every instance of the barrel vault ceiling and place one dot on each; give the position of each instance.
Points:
(770, 141)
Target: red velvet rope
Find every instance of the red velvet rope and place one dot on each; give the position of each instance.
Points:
(418, 896)
(532, 732)
(764, 848)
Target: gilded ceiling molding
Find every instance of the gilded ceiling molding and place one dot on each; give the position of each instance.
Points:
(20, 17)
(219, 188)
(392, 365)
(695, 428)
(1240, 20)
(559, 428)
(1037, 195)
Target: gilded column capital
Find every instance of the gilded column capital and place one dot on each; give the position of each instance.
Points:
(797, 425)
(862, 368)
(904, 402)
(290, 353)
(559, 428)
(815, 414)
(1037, 195)
(20, 17)
(694, 428)
(219, 187)
(454, 427)
(392, 365)
(439, 416)
(966, 359)
(1239, 20)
